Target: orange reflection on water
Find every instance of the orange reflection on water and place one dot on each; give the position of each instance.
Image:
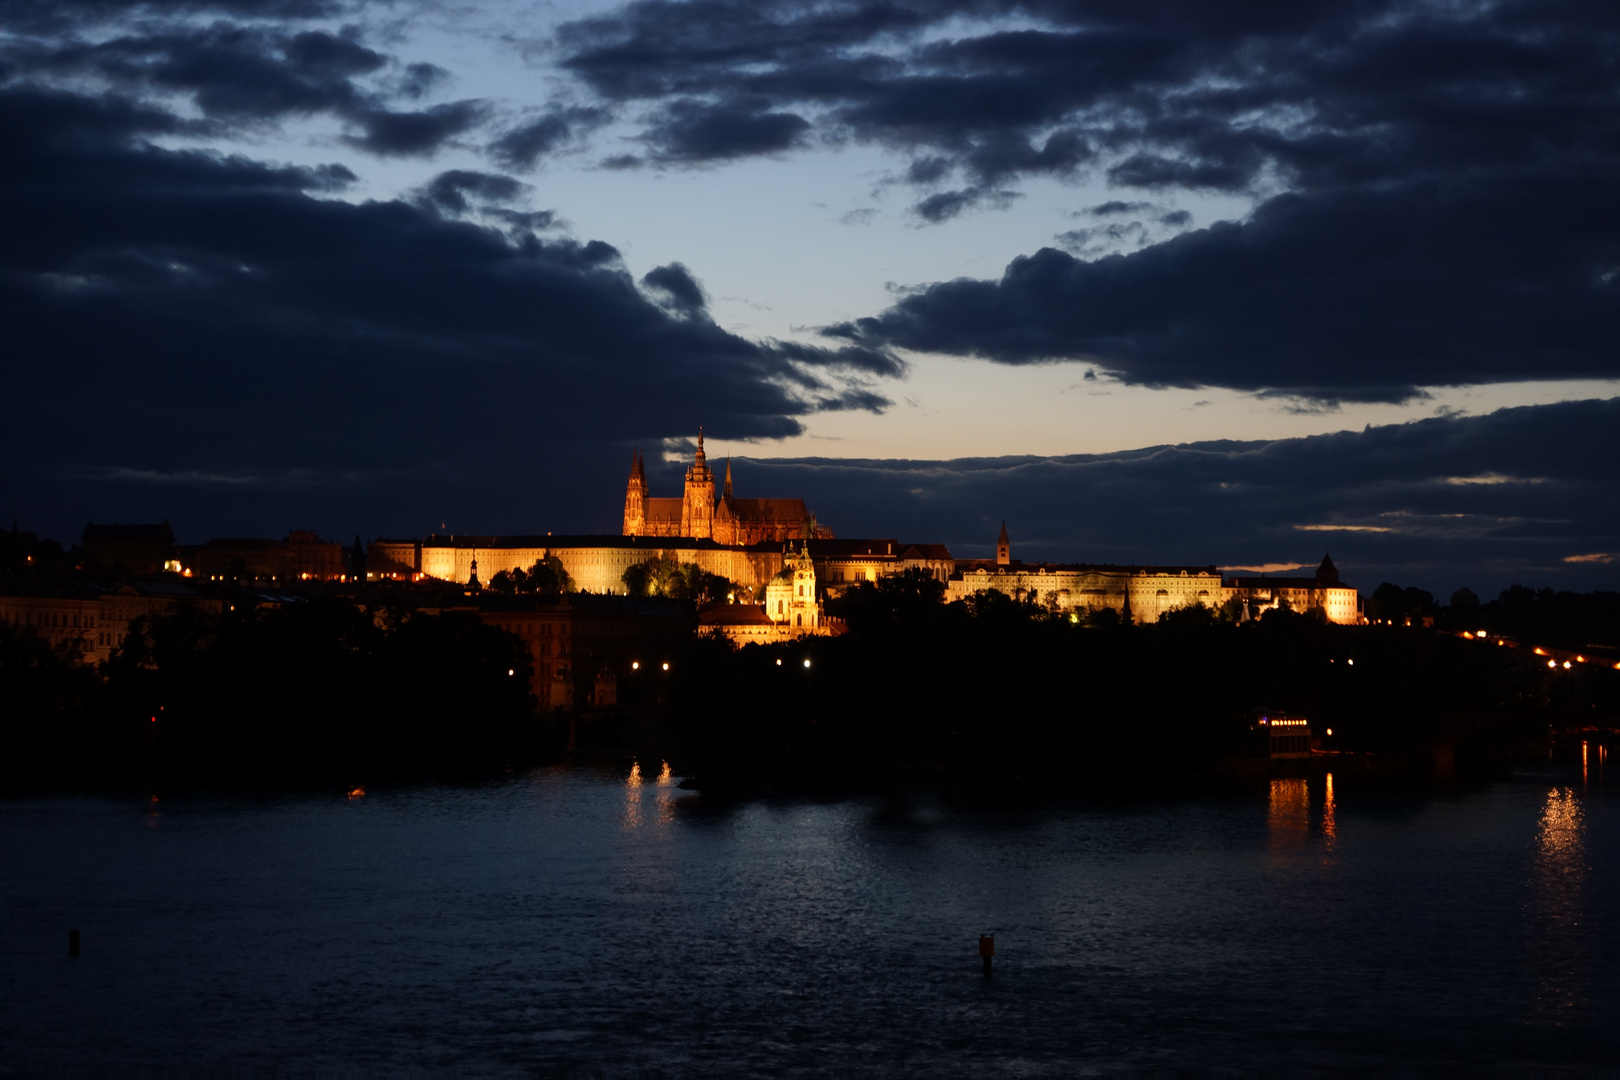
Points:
(1330, 825)
(1558, 947)
(1558, 836)
(1289, 817)
(636, 790)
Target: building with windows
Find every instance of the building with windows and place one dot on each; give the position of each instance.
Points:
(1141, 594)
(91, 623)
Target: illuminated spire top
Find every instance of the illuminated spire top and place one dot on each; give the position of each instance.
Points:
(727, 491)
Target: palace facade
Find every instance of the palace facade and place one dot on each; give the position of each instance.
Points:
(1141, 594)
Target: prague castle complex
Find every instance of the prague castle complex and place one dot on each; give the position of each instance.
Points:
(758, 543)
(782, 566)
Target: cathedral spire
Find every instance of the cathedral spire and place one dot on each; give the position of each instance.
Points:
(726, 491)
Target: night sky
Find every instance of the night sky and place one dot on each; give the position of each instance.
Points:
(1157, 280)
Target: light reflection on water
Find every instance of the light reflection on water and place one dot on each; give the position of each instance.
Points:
(1288, 818)
(609, 922)
(1557, 910)
(636, 792)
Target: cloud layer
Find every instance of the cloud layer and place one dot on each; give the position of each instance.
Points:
(1520, 495)
(1435, 183)
(180, 313)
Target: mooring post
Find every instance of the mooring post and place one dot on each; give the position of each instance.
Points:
(987, 949)
(73, 944)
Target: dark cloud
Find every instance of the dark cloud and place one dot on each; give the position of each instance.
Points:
(450, 191)
(697, 132)
(413, 134)
(420, 79)
(1521, 495)
(524, 146)
(246, 75)
(1159, 94)
(1364, 295)
(677, 286)
(1114, 207)
(67, 16)
(185, 329)
(944, 205)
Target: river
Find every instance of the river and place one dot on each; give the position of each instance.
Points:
(580, 921)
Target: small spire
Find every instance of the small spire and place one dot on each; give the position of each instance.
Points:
(728, 477)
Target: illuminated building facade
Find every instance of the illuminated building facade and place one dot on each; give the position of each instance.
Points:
(792, 608)
(1142, 594)
(699, 515)
(1323, 590)
(595, 563)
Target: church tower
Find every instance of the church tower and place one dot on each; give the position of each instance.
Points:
(1003, 548)
(697, 508)
(635, 498)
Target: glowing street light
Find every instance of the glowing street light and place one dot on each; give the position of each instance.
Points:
(807, 663)
(635, 665)
(666, 665)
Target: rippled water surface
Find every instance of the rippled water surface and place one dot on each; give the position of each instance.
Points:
(579, 920)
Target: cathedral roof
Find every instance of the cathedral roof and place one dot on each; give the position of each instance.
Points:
(660, 508)
(790, 511)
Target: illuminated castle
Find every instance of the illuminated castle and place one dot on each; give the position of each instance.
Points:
(700, 516)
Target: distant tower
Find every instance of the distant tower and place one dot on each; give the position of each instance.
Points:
(697, 509)
(635, 498)
(1003, 548)
(1327, 574)
(472, 582)
(726, 491)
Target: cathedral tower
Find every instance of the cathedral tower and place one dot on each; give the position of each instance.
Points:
(635, 498)
(697, 508)
(1003, 547)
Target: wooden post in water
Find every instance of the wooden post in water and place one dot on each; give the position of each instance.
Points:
(73, 944)
(987, 949)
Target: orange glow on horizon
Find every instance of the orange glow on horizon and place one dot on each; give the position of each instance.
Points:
(357, 793)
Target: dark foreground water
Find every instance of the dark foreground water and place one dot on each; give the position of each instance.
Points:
(573, 921)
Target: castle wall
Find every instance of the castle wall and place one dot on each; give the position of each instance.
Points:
(595, 567)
